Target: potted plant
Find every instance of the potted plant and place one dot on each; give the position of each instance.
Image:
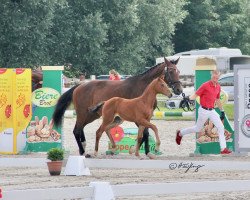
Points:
(56, 155)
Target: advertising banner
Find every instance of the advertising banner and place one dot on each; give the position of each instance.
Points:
(41, 133)
(22, 106)
(6, 111)
(242, 107)
(126, 141)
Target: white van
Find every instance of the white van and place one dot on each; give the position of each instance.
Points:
(225, 59)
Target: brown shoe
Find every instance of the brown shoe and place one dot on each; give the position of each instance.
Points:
(225, 151)
(178, 137)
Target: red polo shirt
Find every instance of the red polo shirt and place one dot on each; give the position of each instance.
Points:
(208, 93)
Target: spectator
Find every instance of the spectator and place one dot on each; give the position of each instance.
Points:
(114, 75)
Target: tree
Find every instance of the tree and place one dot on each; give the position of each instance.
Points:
(158, 22)
(212, 23)
(139, 31)
(90, 36)
(78, 36)
(24, 26)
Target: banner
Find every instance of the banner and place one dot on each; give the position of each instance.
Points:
(22, 106)
(6, 111)
(15, 110)
(41, 133)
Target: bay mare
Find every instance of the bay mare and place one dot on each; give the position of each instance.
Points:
(88, 94)
(138, 110)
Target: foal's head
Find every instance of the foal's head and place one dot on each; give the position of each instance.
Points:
(161, 87)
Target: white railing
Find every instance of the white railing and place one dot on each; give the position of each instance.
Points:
(105, 191)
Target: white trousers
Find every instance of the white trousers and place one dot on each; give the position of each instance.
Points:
(203, 116)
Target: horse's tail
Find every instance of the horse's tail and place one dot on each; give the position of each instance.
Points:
(95, 109)
(63, 103)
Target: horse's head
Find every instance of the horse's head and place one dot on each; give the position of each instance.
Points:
(37, 79)
(172, 76)
(161, 87)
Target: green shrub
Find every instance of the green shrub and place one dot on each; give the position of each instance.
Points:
(55, 154)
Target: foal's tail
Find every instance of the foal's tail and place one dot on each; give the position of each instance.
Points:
(95, 109)
(63, 103)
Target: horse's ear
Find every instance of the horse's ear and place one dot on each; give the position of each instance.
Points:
(167, 61)
(162, 76)
(176, 62)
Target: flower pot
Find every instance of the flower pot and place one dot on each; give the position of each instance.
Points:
(55, 167)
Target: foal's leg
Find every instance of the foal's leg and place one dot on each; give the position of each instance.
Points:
(139, 139)
(145, 140)
(107, 120)
(147, 124)
(112, 141)
(97, 139)
(117, 121)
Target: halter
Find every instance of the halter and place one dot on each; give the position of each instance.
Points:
(169, 79)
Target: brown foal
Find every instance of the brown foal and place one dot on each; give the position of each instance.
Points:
(138, 110)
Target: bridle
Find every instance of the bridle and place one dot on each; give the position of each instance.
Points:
(172, 83)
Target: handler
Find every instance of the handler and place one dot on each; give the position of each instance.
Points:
(209, 93)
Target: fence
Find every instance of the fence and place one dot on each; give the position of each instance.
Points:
(105, 191)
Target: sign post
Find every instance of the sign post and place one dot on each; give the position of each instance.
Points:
(242, 108)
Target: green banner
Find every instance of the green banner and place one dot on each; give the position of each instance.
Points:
(128, 140)
(41, 133)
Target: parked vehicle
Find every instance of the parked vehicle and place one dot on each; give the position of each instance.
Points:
(106, 77)
(227, 84)
(225, 59)
(176, 100)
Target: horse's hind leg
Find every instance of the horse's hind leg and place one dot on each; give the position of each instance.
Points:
(139, 139)
(83, 139)
(154, 128)
(145, 140)
(79, 136)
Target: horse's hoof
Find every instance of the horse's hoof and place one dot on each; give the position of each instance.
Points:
(132, 150)
(81, 153)
(137, 154)
(151, 156)
(157, 151)
(88, 156)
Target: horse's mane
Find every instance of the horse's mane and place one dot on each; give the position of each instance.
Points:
(150, 69)
(145, 72)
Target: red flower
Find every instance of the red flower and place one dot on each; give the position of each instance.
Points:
(117, 133)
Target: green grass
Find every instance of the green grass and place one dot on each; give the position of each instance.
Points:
(229, 110)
